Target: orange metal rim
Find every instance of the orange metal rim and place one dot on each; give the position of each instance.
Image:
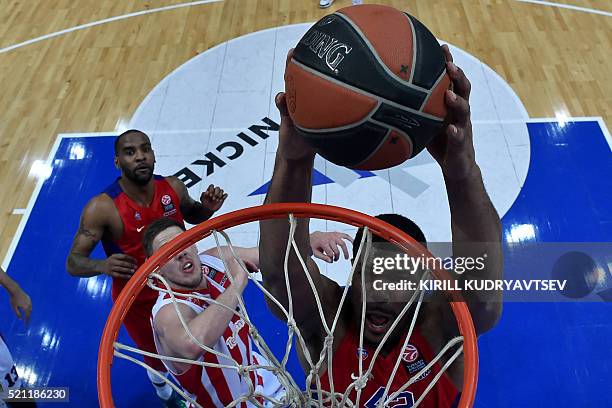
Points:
(275, 211)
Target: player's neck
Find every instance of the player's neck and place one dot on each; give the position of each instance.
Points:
(141, 194)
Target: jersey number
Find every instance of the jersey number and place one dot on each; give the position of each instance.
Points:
(11, 379)
(404, 399)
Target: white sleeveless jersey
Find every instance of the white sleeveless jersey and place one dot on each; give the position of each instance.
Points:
(8, 371)
(218, 387)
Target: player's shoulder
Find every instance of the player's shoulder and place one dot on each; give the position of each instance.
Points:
(164, 311)
(100, 203)
(177, 185)
(100, 208)
(174, 182)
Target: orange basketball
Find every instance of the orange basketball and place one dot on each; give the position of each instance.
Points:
(366, 86)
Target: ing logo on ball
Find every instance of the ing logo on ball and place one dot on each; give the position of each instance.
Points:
(327, 48)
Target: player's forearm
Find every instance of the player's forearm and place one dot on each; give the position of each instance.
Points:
(247, 255)
(250, 255)
(209, 326)
(476, 226)
(198, 213)
(291, 182)
(82, 266)
(8, 283)
(471, 209)
(476, 230)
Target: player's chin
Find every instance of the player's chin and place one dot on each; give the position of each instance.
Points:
(372, 338)
(374, 333)
(143, 177)
(141, 180)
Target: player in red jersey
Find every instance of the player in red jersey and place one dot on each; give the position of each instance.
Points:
(118, 217)
(473, 220)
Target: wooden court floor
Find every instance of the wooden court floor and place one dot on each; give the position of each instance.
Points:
(91, 79)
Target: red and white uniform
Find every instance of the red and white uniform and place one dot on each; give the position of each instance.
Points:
(218, 387)
(414, 357)
(135, 220)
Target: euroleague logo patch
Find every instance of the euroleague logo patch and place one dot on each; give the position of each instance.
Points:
(414, 362)
(169, 209)
(410, 354)
(166, 199)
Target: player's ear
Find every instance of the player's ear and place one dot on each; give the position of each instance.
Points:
(116, 160)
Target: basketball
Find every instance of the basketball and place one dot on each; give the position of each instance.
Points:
(366, 85)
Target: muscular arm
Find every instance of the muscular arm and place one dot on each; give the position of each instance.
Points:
(475, 225)
(327, 246)
(207, 327)
(250, 256)
(476, 230)
(91, 228)
(291, 182)
(95, 221)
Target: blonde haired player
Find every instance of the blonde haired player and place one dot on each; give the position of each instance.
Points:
(213, 325)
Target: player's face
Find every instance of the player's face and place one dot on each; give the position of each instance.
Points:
(383, 304)
(135, 158)
(184, 271)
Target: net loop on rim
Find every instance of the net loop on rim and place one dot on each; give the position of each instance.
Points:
(314, 394)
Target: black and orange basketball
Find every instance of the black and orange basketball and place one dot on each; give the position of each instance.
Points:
(366, 86)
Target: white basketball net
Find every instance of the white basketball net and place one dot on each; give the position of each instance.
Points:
(296, 396)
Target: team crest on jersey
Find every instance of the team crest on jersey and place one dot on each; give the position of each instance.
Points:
(362, 353)
(137, 216)
(414, 362)
(168, 206)
(410, 353)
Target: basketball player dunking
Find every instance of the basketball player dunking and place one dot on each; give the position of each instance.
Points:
(473, 220)
(118, 217)
(213, 325)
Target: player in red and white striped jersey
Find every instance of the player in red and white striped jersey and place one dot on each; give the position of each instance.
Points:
(213, 325)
